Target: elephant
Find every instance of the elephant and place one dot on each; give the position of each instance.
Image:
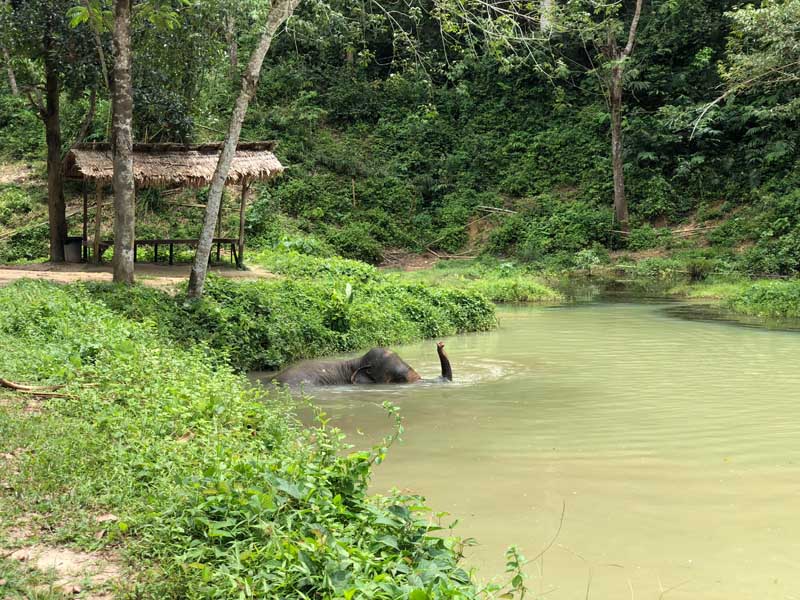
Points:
(379, 365)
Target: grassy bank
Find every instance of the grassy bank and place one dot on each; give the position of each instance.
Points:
(499, 282)
(764, 298)
(217, 491)
(317, 307)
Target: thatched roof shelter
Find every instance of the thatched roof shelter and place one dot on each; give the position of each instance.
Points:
(169, 165)
(164, 165)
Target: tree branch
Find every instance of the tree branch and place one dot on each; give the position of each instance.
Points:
(632, 33)
(87, 121)
(744, 85)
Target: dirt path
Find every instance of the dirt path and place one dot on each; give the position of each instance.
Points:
(148, 274)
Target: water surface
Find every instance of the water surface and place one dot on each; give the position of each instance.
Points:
(672, 444)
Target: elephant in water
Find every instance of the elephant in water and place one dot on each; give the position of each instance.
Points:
(379, 365)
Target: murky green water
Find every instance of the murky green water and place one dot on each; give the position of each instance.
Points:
(673, 444)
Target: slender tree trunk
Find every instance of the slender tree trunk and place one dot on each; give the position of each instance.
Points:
(12, 80)
(620, 202)
(122, 141)
(56, 207)
(619, 57)
(230, 39)
(279, 12)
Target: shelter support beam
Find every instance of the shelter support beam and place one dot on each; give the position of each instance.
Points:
(243, 205)
(98, 222)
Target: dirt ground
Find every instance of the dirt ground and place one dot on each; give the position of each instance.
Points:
(149, 274)
(407, 261)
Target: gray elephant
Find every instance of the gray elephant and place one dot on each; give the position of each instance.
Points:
(379, 365)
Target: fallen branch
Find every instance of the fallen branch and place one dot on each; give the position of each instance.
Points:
(495, 209)
(21, 387)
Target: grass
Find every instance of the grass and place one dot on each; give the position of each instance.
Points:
(714, 289)
(499, 282)
(220, 492)
(768, 299)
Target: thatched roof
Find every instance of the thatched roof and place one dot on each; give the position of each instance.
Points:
(161, 165)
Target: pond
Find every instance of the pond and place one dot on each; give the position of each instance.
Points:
(669, 444)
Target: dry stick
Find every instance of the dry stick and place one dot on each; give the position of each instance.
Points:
(555, 537)
(21, 387)
(736, 88)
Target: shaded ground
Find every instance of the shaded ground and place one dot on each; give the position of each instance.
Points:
(148, 274)
(16, 173)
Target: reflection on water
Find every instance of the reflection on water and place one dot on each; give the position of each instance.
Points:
(711, 312)
(672, 442)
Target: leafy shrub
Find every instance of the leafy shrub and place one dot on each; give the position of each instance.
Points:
(267, 324)
(28, 243)
(647, 236)
(356, 240)
(13, 202)
(514, 289)
(554, 227)
(23, 132)
(297, 265)
(776, 299)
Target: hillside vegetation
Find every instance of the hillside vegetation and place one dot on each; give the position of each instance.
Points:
(394, 144)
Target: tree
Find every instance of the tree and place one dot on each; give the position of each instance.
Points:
(39, 31)
(280, 11)
(122, 144)
(526, 31)
(616, 57)
(763, 49)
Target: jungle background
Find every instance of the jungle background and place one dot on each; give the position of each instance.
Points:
(399, 126)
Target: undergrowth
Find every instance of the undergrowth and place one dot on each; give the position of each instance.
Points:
(321, 307)
(219, 491)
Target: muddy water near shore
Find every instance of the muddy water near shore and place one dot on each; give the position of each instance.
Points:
(671, 445)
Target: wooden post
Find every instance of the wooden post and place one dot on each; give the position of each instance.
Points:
(240, 256)
(219, 226)
(85, 234)
(98, 215)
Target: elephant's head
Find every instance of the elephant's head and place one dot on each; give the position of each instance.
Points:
(380, 365)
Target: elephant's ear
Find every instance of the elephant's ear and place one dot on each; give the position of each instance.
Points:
(362, 375)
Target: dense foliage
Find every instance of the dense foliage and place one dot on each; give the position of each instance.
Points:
(220, 493)
(398, 129)
(339, 306)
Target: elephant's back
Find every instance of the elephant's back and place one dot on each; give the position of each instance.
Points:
(311, 372)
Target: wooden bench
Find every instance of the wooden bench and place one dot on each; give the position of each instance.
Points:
(171, 242)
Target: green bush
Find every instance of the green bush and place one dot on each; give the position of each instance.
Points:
(356, 240)
(23, 132)
(267, 324)
(775, 299)
(217, 487)
(14, 202)
(647, 236)
(553, 227)
(27, 243)
(295, 264)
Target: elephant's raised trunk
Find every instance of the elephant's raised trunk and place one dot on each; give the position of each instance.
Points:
(447, 372)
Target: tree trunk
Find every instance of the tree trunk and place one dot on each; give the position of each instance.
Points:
(56, 207)
(12, 80)
(615, 97)
(230, 39)
(279, 12)
(122, 141)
